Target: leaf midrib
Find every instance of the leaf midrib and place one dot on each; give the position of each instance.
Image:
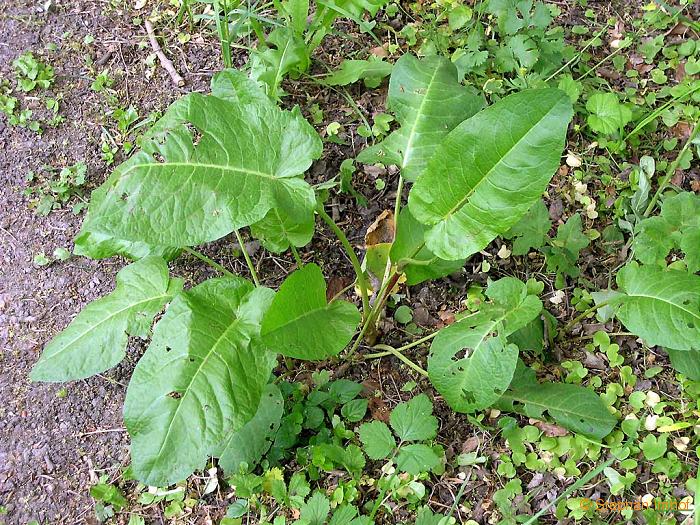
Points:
(584, 415)
(419, 116)
(188, 388)
(199, 165)
(293, 320)
(489, 173)
(661, 299)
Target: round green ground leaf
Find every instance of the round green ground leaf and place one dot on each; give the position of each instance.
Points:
(489, 171)
(428, 101)
(96, 339)
(661, 307)
(301, 324)
(249, 444)
(201, 377)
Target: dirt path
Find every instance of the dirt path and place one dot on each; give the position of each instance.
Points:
(56, 439)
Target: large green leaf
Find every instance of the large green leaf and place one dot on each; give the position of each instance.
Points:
(428, 101)
(301, 324)
(201, 377)
(686, 362)
(490, 170)
(290, 223)
(209, 166)
(478, 379)
(408, 250)
(249, 444)
(577, 408)
(96, 339)
(661, 307)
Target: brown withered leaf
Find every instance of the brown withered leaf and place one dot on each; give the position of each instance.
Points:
(470, 445)
(678, 178)
(382, 230)
(379, 410)
(447, 317)
(682, 130)
(335, 285)
(550, 429)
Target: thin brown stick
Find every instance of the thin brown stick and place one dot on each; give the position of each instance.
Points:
(164, 61)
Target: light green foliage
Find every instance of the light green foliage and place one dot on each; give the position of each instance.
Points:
(416, 458)
(377, 440)
(409, 247)
(316, 509)
(109, 494)
(525, 42)
(31, 73)
(686, 362)
(476, 380)
(564, 249)
(96, 339)
(371, 71)
(606, 114)
(403, 314)
(286, 54)
(291, 327)
(425, 516)
(653, 447)
(428, 102)
(413, 420)
(676, 228)
(179, 191)
(489, 171)
(51, 193)
(201, 377)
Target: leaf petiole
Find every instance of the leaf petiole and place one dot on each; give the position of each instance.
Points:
(361, 281)
(403, 348)
(568, 326)
(393, 351)
(209, 261)
(247, 258)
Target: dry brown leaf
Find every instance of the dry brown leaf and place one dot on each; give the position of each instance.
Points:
(470, 445)
(550, 429)
(382, 230)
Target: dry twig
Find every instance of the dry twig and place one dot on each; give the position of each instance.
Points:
(164, 61)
